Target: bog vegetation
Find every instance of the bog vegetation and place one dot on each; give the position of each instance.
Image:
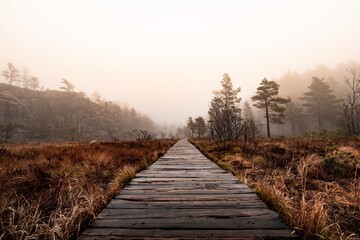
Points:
(312, 183)
(51, 191)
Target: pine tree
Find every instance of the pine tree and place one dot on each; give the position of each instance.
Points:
(200, 126)
(320, 102)
(225, 113)
(34, 83)
(67, 86)
(249, 127)
(191, 126)
(11, 75)
(267, 98)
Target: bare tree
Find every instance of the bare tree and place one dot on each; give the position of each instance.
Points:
(25, 78)
(351, 105)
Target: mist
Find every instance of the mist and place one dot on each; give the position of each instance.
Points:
(164, 58)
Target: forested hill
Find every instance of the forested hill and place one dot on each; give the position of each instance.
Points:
(48, 115)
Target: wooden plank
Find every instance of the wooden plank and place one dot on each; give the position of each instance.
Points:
(184, 175)
(182, 180)
(209, 178)
(118, 233)
(195, 173)
(170, 213)
(194, 182)
(175, 168)
(120, 203)
(166, 198)
(167, 187)
(191, 234)
(197, 185)
(170, 191)
(192, 223)
(186, 184)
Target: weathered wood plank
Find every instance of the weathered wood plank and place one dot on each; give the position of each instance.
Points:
(213, 179)
(198, 185)
(170, 191)
(167, 198)
(118, 233)
(185, 180)
(195, 174)
(170, 213)
(192, 223)
(119, 203)
(184, 195)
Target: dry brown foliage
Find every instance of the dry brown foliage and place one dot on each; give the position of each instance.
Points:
(51, 191)
(313, 184)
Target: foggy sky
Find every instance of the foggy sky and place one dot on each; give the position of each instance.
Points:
(164, 58)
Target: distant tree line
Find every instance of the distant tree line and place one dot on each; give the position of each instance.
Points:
(317, 111)
(28, 114)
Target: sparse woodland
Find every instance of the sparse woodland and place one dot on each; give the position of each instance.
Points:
(28, 114)
(320, 102)
(312, 180)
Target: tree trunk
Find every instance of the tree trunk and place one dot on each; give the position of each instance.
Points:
(319, 117)
(293, 129)
(6, 136)
(267, 121)
(245, 133)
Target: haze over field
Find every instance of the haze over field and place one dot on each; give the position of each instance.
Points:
(165, 57)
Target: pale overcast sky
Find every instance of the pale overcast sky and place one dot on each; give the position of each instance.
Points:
(165, 57)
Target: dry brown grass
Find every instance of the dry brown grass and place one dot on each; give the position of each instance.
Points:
(51, 191)
(313, 184)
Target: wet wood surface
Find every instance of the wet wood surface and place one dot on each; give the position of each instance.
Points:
(186, 196)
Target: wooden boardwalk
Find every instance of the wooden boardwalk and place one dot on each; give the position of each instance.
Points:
(186, 196)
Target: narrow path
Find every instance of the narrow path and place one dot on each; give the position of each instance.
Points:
(185, 195)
